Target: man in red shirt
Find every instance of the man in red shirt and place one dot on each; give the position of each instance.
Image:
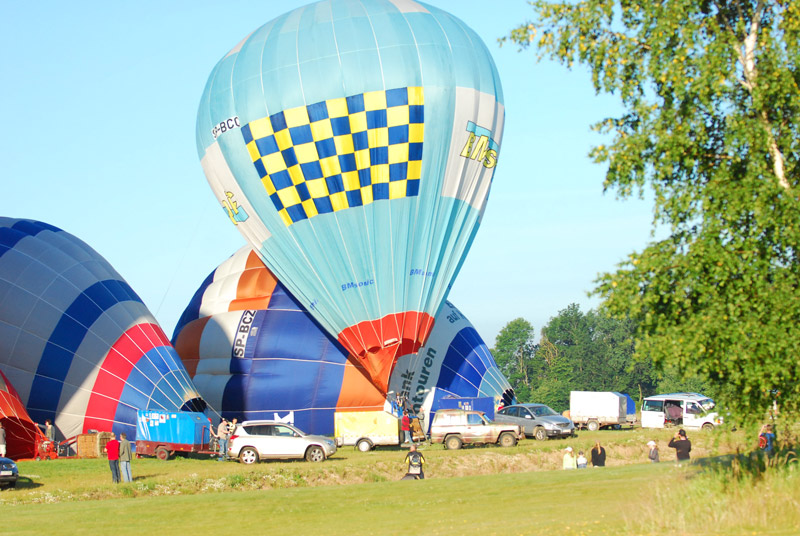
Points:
(405, 425)
(112, 450)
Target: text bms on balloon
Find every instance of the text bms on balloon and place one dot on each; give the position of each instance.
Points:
(353, 143)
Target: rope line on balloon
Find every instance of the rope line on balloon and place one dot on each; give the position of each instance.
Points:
(187, 246)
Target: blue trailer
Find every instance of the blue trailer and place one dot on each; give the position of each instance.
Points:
(164, 433)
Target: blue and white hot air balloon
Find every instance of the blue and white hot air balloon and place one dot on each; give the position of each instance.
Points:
(76, 341)
(353, 143)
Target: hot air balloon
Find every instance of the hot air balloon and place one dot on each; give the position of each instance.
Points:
(22, 434)
(353, 143)
(255, 353)
(76, 341)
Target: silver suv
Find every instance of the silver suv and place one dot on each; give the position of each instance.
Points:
(260, 440)
(536, 420)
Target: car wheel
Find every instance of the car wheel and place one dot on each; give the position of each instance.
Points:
(593, 426)
(708, 427)
(315, 454)
(507, 439)
(453, 443)
(364, 445)
(162, 453)
(540, 434)
(248, 456)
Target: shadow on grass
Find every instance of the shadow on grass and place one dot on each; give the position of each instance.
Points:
(752, 464)
(27, 483)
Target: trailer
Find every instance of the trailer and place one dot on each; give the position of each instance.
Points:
(597, 409)
(369, 429)
(164, 434)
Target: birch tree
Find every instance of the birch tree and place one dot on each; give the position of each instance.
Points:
(710, 100)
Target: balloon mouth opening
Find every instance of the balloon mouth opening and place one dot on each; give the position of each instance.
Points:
(195, 404)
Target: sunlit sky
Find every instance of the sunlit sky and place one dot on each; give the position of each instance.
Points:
(99, 104)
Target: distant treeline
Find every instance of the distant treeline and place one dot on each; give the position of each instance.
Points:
(581, 352)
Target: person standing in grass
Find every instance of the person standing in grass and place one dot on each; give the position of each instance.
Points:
(653, 454)
(405, 426)
(766, 439)
(598, 455)
(125, 458)
(222, 437)
(682, 445)
(112, 451)
(569, 459)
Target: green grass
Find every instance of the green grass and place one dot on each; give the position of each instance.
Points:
(474, 491)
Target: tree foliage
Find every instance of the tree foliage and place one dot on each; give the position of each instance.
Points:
(589, 352)
(513, 351)
(710, 97)
(577, 352)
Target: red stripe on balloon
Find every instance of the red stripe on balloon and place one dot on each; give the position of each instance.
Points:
(114, 372)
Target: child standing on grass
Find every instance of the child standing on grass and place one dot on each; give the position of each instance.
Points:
(653, 454)
(581, 461)
(569, 460)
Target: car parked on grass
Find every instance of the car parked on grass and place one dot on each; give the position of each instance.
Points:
(8, 473)
(253, 441)
(536, 420)
(455, 427)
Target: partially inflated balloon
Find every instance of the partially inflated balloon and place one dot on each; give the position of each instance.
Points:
(76, 341)
(22, 433)
(353, 143)
(255, 353)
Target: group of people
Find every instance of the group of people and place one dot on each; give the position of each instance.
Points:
(119, 455)
(680, 443)
(598, 457)
(224, 432)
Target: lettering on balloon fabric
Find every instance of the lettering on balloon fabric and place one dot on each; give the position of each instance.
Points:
(419, 271)
(224, 126)
(353, 284)
(340, 153)
(243, 332)
(480, 146)
(422, 379)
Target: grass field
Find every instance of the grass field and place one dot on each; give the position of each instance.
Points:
(474, 491)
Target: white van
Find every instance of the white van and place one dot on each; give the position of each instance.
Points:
(687, 410)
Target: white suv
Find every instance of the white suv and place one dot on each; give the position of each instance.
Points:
(260, 440)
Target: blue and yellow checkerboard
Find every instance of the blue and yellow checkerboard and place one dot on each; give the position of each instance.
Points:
(340, 153)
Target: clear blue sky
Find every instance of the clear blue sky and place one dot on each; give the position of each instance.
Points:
(99, 102)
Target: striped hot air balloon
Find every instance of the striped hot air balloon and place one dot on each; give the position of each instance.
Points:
(76, 341)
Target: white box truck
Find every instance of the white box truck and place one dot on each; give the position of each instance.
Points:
(597, 409)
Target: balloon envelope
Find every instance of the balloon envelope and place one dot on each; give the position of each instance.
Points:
(75, 340)
(255, 353)
(21, 432)
(353, 143)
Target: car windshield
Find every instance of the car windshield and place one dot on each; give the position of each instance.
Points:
(542, 411)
